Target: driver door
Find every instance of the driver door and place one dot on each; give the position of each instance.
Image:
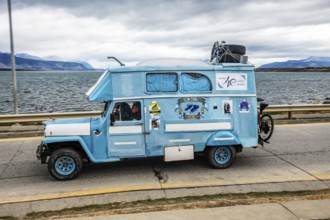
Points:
(126, 138)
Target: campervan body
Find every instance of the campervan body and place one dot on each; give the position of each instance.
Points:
(170, 108)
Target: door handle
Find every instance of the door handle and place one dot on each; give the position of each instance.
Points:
(97, 132)
(139, 123)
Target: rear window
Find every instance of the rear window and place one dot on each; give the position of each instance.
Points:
(195, 82)
(162, 82)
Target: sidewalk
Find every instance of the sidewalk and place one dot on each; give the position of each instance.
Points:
(311, 209)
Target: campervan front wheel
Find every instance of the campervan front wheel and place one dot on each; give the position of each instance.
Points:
(221, 157)
(65, 164)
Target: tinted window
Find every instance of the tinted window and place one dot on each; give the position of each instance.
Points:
(162, 82)
(195, 82)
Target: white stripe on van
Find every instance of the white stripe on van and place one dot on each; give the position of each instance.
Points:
(180, 96)
(179, 140)
(198, 126)
(125, 129)
(68, 129)
(125, 143)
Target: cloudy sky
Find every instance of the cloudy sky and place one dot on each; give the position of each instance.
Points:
(135, 30)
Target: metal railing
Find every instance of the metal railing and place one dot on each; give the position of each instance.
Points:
(45, 116)
(48, 116)
(298, 108)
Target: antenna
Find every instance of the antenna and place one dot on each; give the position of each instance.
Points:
(121, 64)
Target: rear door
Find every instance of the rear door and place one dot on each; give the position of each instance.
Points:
(126, 135)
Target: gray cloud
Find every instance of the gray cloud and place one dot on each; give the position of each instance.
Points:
(137, 30)
(157, 14)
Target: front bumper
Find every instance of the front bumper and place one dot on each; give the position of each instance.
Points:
(41, 153)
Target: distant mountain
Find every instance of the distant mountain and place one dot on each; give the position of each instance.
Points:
(53, 58)
(28, 56)
(87, 65)
(310, 62)
(29, 62)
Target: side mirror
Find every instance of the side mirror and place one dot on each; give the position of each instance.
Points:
(112, 119)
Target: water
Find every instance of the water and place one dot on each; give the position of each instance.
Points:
(64, 91)
(284, 88)
(48, 91)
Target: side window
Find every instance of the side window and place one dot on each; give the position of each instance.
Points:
(127, 111)
(195, 82)
(162, 82)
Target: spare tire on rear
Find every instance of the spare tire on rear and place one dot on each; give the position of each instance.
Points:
(230, 58)
(235, 49)
(227, 53)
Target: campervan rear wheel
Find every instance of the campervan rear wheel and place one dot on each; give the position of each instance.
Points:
(221, 157)
(65, 164)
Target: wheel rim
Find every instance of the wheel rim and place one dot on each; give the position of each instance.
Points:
(222, 155)
(65, 165)
(265, 125)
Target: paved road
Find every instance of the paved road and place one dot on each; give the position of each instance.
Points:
(296, 159)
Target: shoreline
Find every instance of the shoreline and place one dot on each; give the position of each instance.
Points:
(308, 69)
(30, 70)
(41, 70)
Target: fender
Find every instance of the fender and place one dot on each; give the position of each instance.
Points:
(222, 138)
(60, 139)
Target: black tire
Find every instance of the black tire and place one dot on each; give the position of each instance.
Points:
(232, 53)
(235, 49)
(230, 58)
(266, 127)
(65, 164)
(221, 157)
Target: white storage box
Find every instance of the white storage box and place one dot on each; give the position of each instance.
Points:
(176, 153)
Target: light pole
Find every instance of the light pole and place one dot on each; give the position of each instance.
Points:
(13, 64)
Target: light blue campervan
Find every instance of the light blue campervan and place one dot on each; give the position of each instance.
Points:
(166, 107)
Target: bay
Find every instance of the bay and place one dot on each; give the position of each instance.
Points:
(286, 88)
(48, 91)
(64, 91)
